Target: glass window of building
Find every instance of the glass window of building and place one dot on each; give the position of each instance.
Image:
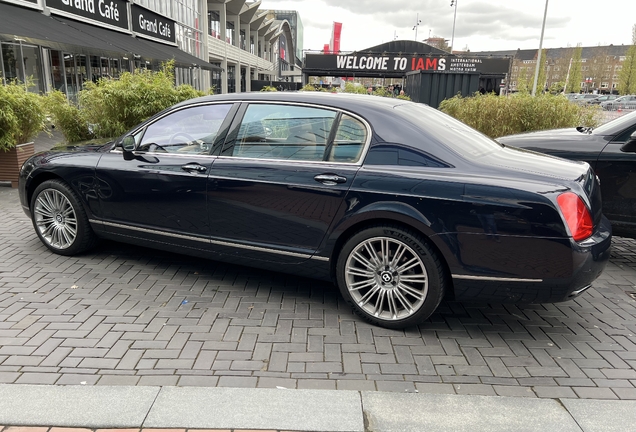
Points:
(214, 25)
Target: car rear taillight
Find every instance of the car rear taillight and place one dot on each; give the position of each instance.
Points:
(576, 214)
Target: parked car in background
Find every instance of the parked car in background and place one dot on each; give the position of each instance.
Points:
(396, 202)
(602, 98)
(627, 102)
(585, 98)
(611, 151)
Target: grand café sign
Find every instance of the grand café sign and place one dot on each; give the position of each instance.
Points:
(113, 12)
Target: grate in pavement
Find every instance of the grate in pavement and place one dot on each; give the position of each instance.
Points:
(632, 295)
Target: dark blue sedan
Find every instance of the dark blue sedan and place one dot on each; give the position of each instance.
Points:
(396, 202)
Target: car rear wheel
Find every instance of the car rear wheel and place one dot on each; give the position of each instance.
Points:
(390, 276)
(60, 220)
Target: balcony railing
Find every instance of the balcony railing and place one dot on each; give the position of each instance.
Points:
(219, 48)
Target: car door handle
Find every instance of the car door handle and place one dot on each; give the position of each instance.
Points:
(194, 167)
(330, 179)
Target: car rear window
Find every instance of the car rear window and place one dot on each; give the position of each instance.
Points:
(454, 134)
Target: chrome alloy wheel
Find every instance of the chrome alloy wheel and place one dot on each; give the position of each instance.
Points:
(55, 219)
(386, 278)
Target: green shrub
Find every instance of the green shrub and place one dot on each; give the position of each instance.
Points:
(112, 106)
(497, 115)
(21, 115)
(312, 87)
(353, 88)
(67, 117)
(269, 89)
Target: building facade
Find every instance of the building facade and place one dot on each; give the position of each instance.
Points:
(61, 44)
(220, 44)
(600, 67)
(248, 45)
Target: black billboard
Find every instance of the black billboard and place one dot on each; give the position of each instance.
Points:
(398, 64)
(148, 23)
(113, 12)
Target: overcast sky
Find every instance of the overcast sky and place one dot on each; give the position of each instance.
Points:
(480, 25)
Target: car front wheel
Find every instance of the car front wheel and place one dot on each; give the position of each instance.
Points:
(390, 276)
(60, 220)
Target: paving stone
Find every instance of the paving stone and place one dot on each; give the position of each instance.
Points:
(125, 324)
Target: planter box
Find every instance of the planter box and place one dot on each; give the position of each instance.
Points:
(12, 160)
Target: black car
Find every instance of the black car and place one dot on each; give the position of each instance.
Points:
(610, 150)
(396, 202)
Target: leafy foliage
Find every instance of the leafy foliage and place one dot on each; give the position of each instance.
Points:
(312, 87)
(498, 116)
(576, 76)
(269, 89)
(21, 115)
(69, 119)
(110, 107)
(353, 88)
(627, 77)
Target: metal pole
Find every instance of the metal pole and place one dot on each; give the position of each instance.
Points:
(454, 18)
(536, 71)
(417, 23)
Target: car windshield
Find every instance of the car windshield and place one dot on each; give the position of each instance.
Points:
(457, 136)
(616, 125)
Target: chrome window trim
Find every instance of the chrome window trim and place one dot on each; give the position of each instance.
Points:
(208, 240)
(363, 154)
(496, 279)
(183, 155)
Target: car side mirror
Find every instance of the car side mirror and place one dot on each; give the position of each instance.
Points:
(128, 146)
(128, 143)
(630, 145)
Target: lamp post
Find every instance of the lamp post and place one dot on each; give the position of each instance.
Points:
(453, 3)
(536, 71)
(417, 23)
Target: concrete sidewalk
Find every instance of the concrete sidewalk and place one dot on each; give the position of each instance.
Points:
(97, 407)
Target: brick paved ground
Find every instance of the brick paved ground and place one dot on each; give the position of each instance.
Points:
(123, 315)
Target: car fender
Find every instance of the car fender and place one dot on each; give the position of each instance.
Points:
(383, 212)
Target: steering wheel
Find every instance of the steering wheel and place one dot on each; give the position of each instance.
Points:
(188, 138)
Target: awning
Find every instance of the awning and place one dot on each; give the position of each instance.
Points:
(31, 26)
(140, 47)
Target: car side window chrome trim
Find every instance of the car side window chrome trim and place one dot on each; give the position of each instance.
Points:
(232, 135)
(495, 279)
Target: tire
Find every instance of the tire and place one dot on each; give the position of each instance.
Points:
(60, 220)
(390, 276)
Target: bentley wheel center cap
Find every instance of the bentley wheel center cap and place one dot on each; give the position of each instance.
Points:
(387, 277)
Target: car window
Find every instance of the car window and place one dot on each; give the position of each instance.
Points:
(187, 131)
(284, 132)
(348, 141)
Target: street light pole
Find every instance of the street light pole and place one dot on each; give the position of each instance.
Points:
(536, 71)
(453, 2)
(417, 23)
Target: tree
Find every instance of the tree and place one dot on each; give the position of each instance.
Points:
(597, 67)
(575, 76)
(627, 77)
(522, 80)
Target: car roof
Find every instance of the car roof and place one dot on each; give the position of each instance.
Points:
(337, 100)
